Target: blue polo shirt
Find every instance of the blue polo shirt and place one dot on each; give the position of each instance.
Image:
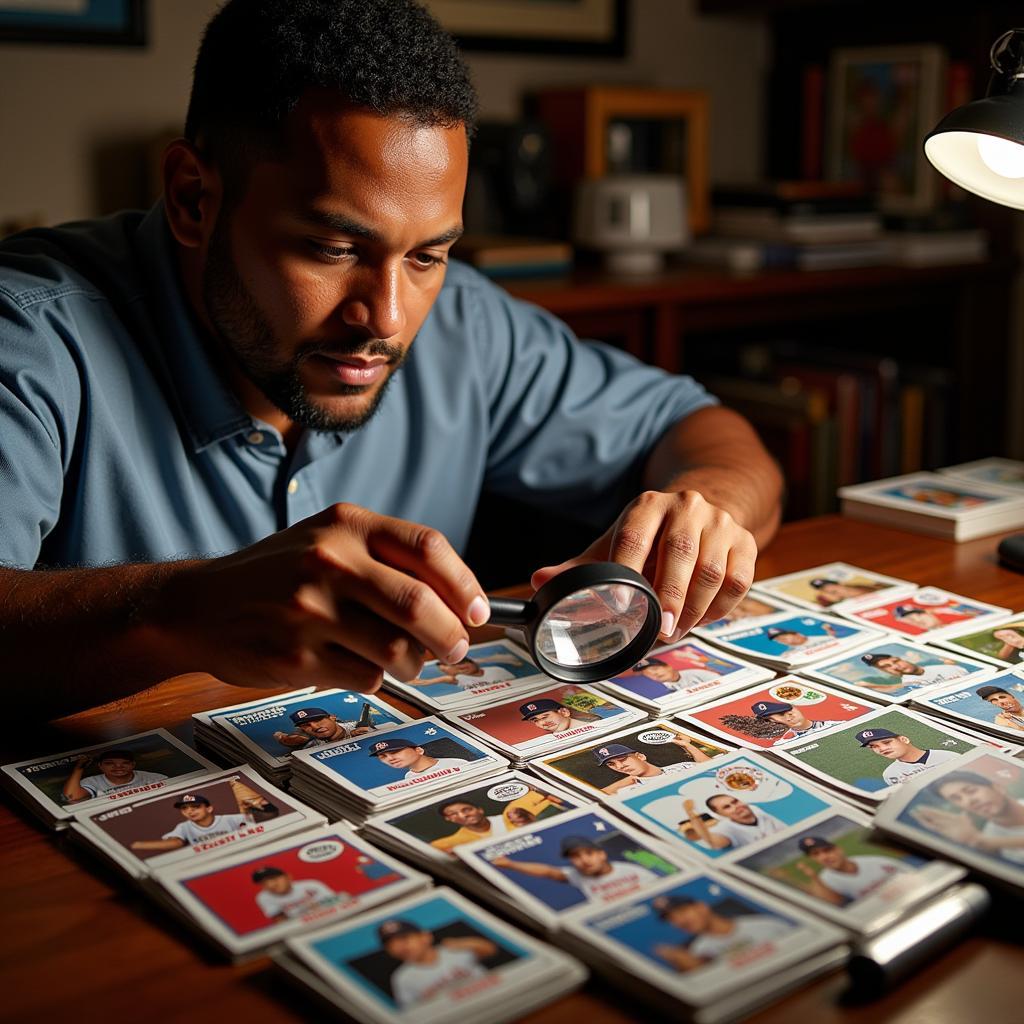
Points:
(120, 442)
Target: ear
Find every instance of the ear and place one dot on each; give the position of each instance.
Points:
(193, 193)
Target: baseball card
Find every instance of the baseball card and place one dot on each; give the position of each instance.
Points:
(248, 901)
(584, 857)
(1001, 472)
(488, 672)
(881, 751)
(216, 815)
(431, 959)
(922, 614)
(995, 705)
(971, 811)
(272, 732)
(499, 807)
(671, 678)
(735, 801)
(546, 720)
(703, 939)
(787, 711)
(638, 756)
(1000, 643)
(59, 786)
(836, 866)
(829, 586)
(751, 610)
(895, 671)
(418, 757)
(791, 641)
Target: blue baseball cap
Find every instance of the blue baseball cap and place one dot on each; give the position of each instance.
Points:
(308, 714)
(664, 905)
(384, 746)
(538, 707)
(605, 754)
(394, 927)
(764, 708)
(570, 843)
(775, 631)
(866, 736)
(188, 799)
(903, 610)
(822, 581)
(809, 843)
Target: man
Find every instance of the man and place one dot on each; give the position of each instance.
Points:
(318, 727)
(634, 766)
(427, 968)
(553, 716)
(714, 934)
(473, 822)
(909, 673)
(1011, 713)
(844, 878)
(281, 898)
(832, 591)
(117, 772)
(214, 377)
(590, 870)
(673, 678)
(399, 753)
(469, 674)
(201, 825)
(924, 619)
(907, 759)
(796, 722)
(737, 824)
(794, 638)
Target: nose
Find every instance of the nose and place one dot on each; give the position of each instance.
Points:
(374, 300)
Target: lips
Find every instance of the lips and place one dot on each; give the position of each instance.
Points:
(354, 370)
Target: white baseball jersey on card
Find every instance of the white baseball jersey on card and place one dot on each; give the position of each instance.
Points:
(302, 896)
(900, 771)
(740, 835)
(221, 825)
(872, 871)
(692, 676)
(442, 762)
(419, 983)
(1008, 720)
(622, 879)
(933, 674)
(1016, 854)
(99, 785)
(748, 931)
(793, 734)
(489, 674)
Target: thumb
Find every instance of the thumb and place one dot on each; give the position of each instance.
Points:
(597, 552)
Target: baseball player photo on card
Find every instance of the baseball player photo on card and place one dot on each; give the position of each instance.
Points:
(431, 959)
(881, 751)
(1000, 643)
(248, 901)
(215, 816)
(638, 756)
(59, 786)
(787, 711)
(670, 678)
(994, 706)
(925, 614)
(585, 856)
(736, 801)
(751, 610)
(827, 587)
(836, 866)
(895, 671)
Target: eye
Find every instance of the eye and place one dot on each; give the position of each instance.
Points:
(330, 253)
(426, 260)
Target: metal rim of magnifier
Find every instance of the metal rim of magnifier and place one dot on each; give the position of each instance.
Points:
(584, 577)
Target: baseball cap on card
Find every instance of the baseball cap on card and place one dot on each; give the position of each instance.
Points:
(822, 581)
(266, 872)
(984, 692)
(809, 843)
(664, 905)
(308, 714)
(866, 736)
(394, 927)
(187, 799)
(874, 659)
(902, 610)
(764, 708)
(383, 746)
(605, 754)
(537, 707)
(775, 631)
(110, 755)
(570, 843)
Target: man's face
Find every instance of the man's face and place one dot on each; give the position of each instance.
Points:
(831, 593)
(277, 884)
(117, 768)
(628, 764)
(520, 816)
(791, 639)
(196, 812)
(792, 719)
(410, 947)
(1010, 636)
(553, 721)
(892, 747)
(985, 801)
(735, 810)
(828, 856)
(660, 673)
(1005, 701)
(404, 757)
(589, 861)
(922, 619)
(695, 917)
(463, 814)
(894, 666)
(318, 276)
(320, 728)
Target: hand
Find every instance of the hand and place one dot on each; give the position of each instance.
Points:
(700, 560)
(281, 736)
(82, 760)
(805, 869)
(336, 599)
(362, 730)
(502, 862)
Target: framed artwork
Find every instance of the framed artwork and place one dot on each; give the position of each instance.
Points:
(882, 102)
(105, 22)
(569, 27)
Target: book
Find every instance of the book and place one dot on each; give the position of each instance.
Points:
(772, 225)
(751, 254)
(934, 248)
(799, 198)
(510, 256)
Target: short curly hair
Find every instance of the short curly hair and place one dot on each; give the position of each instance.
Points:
(258, 57)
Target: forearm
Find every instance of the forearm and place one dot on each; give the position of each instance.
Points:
(717, 453)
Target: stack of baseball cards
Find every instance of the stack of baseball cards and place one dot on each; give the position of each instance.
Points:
(554, 718)
(828, 587)
(369, 773)
(752, 609)
(267, 734)
(994, 706)
(247, 902)
(999, 643)
(924, 614)
(489, 672)
(430, 959)
(199, 821)
(59, 786)
(429, 831)
(680, 676)
(704, 946)
(1002, 472)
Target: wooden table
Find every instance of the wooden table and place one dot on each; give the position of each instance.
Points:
(79, 943)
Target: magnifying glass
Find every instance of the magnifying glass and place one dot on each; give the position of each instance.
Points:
(588, 623)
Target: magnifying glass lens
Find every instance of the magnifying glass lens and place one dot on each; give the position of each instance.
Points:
(592, 625)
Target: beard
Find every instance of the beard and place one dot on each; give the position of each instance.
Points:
(251, 343)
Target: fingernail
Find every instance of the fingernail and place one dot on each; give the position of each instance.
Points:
(479, 611)
(677, 636)
(457, 653)
(668, 623)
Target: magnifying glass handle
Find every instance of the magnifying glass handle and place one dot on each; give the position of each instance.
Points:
(510, 611)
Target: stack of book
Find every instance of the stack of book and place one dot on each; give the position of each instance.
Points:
(507, 256)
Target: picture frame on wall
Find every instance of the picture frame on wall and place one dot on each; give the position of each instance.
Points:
(573, 28)
(882, 102)
(97, 22)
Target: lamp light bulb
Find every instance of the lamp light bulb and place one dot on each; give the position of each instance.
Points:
(1001, 156)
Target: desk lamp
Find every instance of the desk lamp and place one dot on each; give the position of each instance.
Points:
(980, 147)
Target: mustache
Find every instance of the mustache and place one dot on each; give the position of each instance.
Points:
(339, 349)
